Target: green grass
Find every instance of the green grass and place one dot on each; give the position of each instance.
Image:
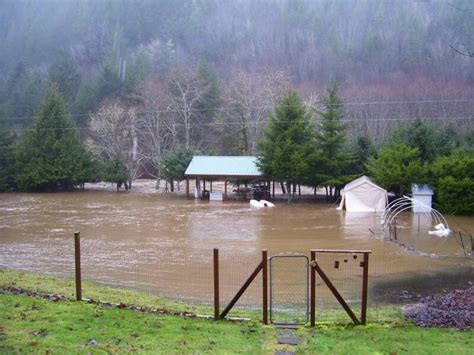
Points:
(43, 283)
(397, 338)
(92, 290)
(34, 325)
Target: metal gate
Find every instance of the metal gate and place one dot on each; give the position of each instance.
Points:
(289, 289)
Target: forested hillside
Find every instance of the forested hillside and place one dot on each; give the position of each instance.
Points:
(205, 74)
(374, 49)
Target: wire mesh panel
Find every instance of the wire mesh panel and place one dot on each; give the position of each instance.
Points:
(175, 277)
(396, 280)
(345, 272)
(289, 289)
(235, 267)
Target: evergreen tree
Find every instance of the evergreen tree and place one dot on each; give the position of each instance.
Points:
(206, 106)
(468, 140)
(330, 139)
(363, 148)
(397, 167)
(285, 153)
(136, 72)
(452, 177)
(86, 101)
(108, 82)
(174, 165)
(429, 139)
(212, 96)
(24, 91)
(65, 75)
(50, 155)
(114, 171)
(7, 159)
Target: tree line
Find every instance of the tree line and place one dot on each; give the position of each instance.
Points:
(95, 51)
(299, 146)
(299, 150)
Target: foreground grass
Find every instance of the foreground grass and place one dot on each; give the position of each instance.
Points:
(35, 325)
(394, 338)
(92, 290)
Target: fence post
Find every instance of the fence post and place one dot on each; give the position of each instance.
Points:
(365, 284)
(265, 285)
(395, 231)
(216, 284)
(77, 254)
(313, 289)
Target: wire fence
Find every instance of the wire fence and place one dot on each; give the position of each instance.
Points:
(185, 282)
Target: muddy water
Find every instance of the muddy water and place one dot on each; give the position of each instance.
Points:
(163, 243)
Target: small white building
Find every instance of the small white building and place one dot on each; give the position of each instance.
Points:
(423, 195)
(362, 195)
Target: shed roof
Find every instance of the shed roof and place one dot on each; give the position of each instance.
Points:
(359, 181)
(223, 166)
(421, 190)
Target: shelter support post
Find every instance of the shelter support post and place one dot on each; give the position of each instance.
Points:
(187, 188)
(225, 189)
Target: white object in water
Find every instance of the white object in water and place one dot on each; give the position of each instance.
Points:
(441, 231)
(261, 203)
(216, 196)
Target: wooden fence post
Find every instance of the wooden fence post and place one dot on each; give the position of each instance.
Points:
(313, 289)
(365, 284)
(216, 284)
(77, 253)
(265, 286)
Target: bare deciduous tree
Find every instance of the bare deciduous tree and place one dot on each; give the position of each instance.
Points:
(252, 97)
(185, 89)
(157, 133)
(114, 135)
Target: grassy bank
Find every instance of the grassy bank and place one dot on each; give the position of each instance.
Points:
(30, 324)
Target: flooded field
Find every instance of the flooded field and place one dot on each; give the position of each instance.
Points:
(163, 243)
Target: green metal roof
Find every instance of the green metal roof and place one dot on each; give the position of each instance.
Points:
(222, 166)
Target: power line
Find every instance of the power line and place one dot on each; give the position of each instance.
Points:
(137, 128)
(237, 108)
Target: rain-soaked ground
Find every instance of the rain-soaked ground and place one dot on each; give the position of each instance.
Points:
(163, 243)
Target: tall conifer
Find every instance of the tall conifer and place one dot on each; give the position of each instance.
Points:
(50, 155)
(331, 136)
(285, 152)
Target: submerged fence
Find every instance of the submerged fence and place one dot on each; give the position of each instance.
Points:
(294, 288)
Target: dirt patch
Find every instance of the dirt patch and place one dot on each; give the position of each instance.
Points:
(455, 310)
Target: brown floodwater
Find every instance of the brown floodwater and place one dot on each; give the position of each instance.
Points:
(163, 243)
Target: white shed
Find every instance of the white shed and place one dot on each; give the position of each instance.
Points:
(362, 195)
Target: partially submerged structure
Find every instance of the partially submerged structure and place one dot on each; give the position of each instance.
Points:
(422, 194)
(221, 168)
(363, 195)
